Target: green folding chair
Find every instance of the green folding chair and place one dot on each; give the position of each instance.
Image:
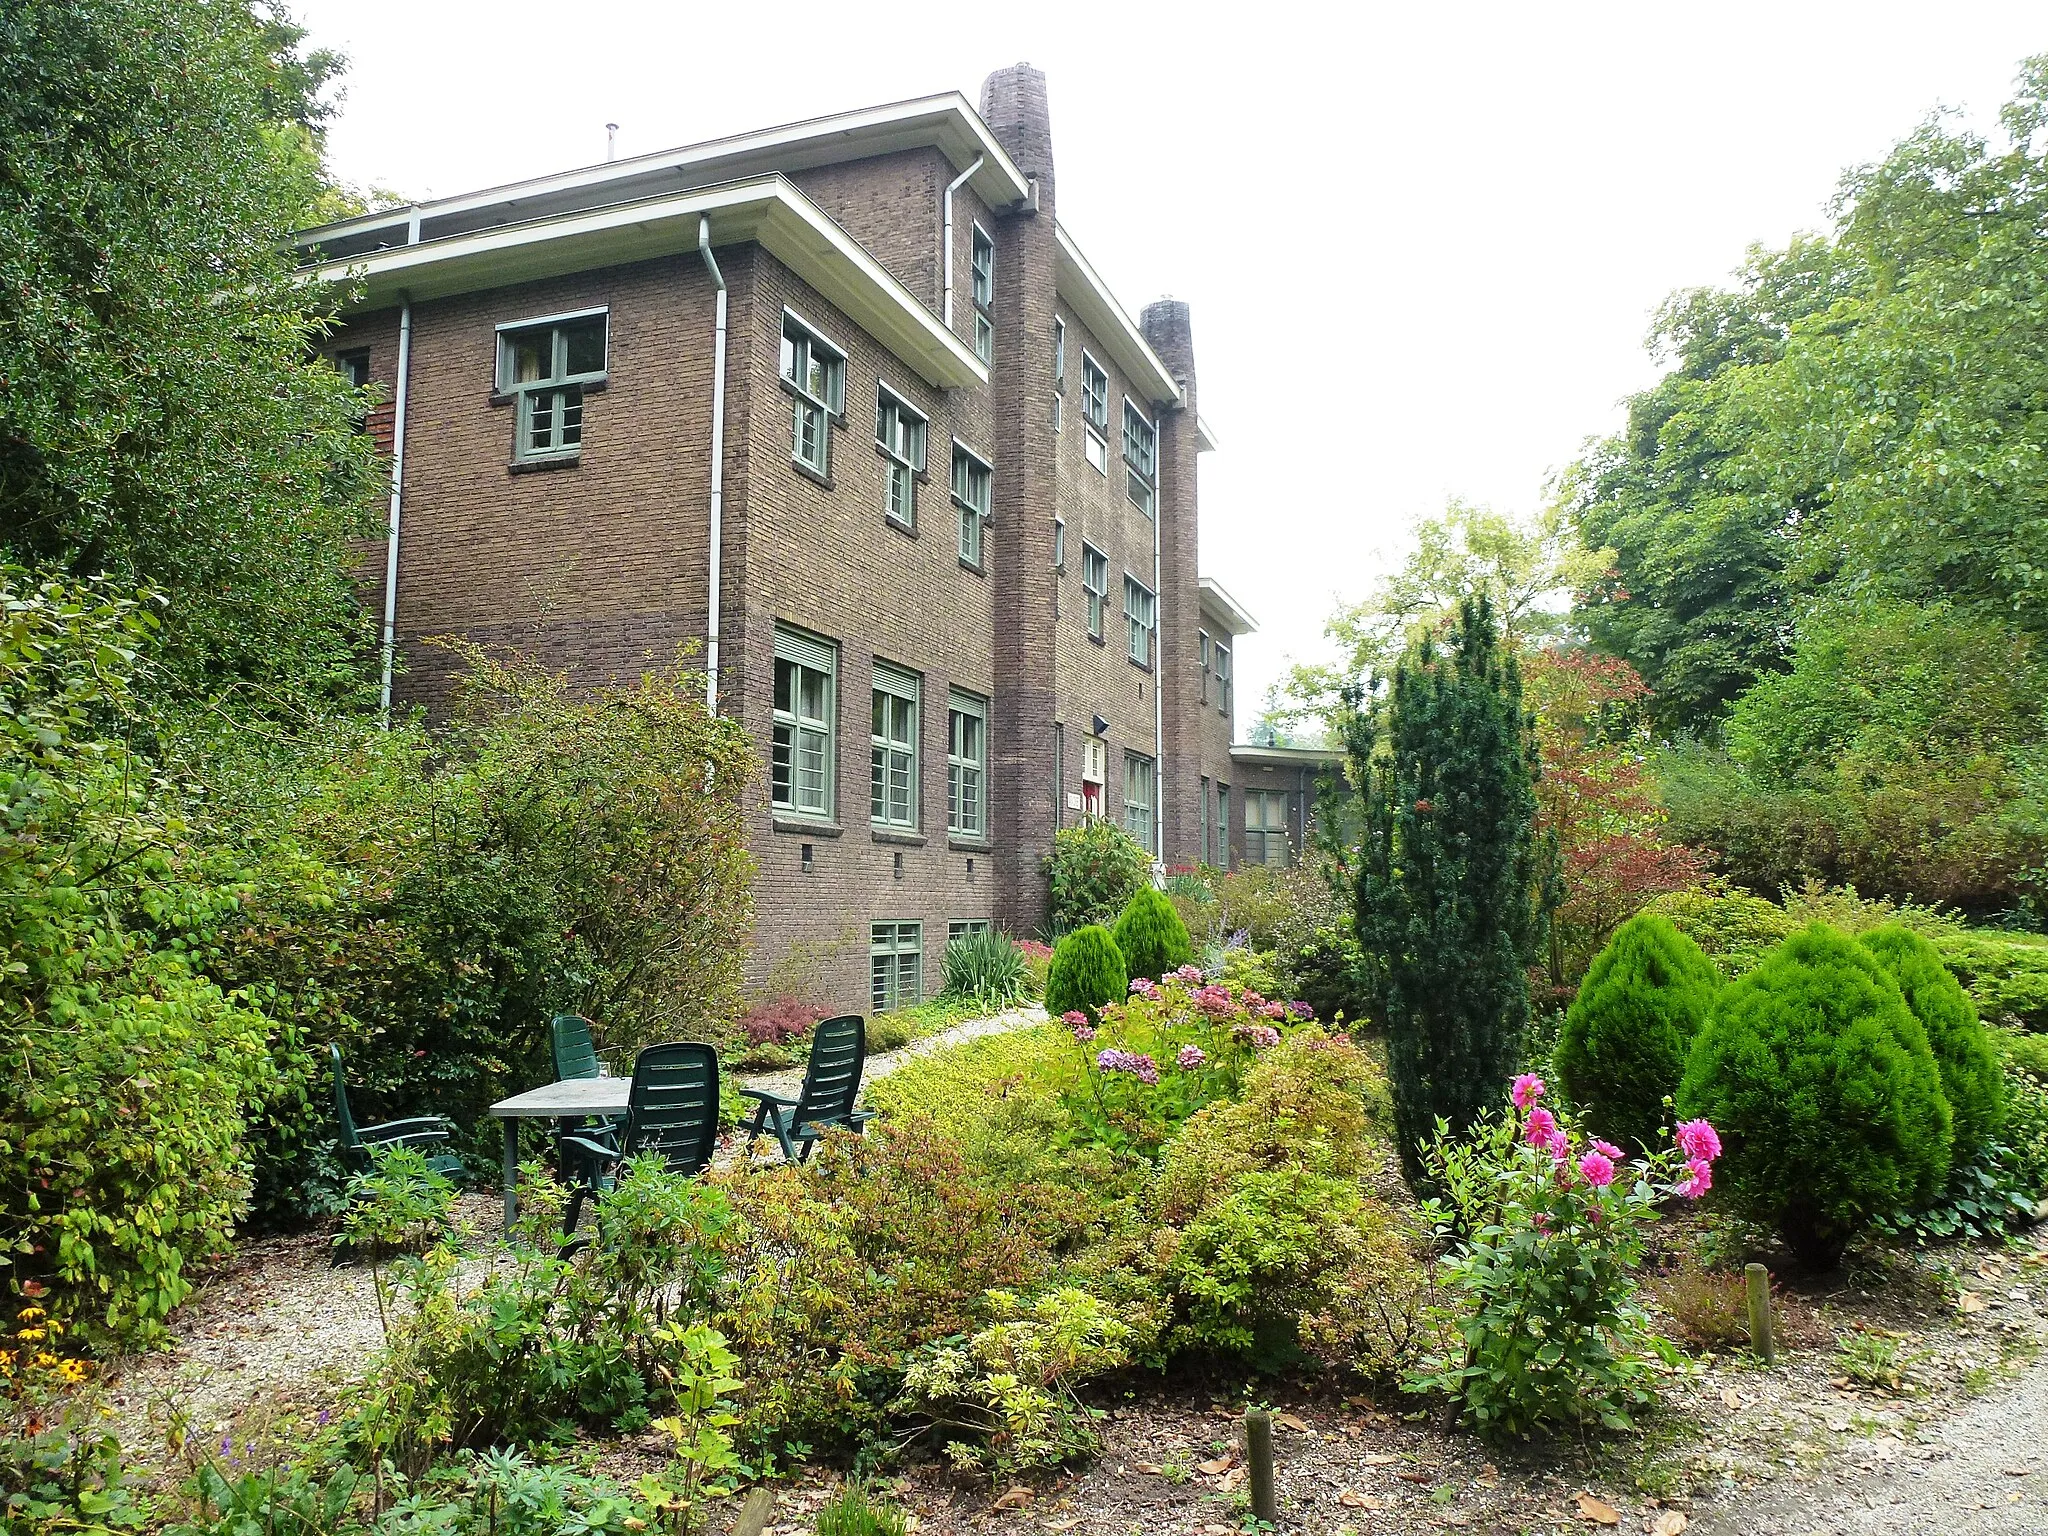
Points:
(360, 1144)
(671, 1111)
(839, 1050)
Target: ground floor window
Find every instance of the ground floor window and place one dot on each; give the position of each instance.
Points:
(1138, 799)
(966, 929)
(1265, 826)
(895, 965)
(1223, 826)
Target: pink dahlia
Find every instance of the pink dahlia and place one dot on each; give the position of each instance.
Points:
(1598, 1168)
(1528, 1089)
(1541, 1127)
(1699, 1141)
(1607, 1149)
(1701, 1181)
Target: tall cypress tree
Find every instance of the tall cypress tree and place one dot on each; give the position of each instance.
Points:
(1450, 905)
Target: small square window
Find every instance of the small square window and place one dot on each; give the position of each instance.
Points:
(354, 366)
(814, 372)
(972, 482)
(546, 366)
(955, 932)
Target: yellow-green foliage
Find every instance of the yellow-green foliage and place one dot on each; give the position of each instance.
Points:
(1150, 935)
(1088, 972)
(1735, 931)
(1971, 1077)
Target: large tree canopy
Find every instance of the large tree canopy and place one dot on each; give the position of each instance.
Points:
(162, 417)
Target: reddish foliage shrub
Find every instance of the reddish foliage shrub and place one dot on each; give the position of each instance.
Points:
(780, 1019)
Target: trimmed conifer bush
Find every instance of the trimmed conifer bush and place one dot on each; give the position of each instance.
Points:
(1827, 1099)
(1087, 972)
(1626, 1036)
(1151, 935)
(1971, 1077)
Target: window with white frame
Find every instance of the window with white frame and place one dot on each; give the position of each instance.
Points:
(1095, 582)
(892, 798)
(1141, 459)
(1059, 544)
(1138, 800)
(984, 287)
(1095, 413)
(814, 371)
(900, 434)
(1265, 826)
(895, 965)
(1223, 677)
(972, 479)
(1059, 370)
(800, 758)
(546, 365)
(968, 929)
(1140, 614)
(967, 766)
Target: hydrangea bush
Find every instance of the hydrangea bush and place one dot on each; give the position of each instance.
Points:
(1172, 1046)
(1549, 1225)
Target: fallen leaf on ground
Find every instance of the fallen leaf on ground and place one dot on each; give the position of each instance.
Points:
(2015, 1471)
(1230, 1479)
(1290, 1421)
(1731, 1398)
(1219, 1466)
(1670, 1523)
(1016, 1498)
(1969, 1302)
(1599, 1511)
(1377, 1460)
(1413, 1477)
(1351, 1498)
(1063, 1525)
(1149, 1467)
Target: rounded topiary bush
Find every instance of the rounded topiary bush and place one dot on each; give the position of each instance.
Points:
(1151, 935)
(1625, 1039)
(1087, 972)
(1971, 1077)
(1827, 1099)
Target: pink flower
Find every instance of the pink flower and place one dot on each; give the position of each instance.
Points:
(1073, 1018)
(1141, 986)
(1216, 1000)
(1699, 1141)
(1190, 1057)
(1084, 1032)
(1272, 1010)
(1541, 1127)
(1607, 1149)
(1701, 1181)
(1558, 1145)
(1598, 1168)
(1264, 1037)
(1528, 1089)
(1188, 973)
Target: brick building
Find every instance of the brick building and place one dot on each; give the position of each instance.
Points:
(843, 404)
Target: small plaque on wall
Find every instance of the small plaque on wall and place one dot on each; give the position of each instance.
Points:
(1073, 800)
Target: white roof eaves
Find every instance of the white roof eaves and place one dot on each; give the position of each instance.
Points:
(1089, 297)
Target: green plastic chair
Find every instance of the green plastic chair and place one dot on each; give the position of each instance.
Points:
(576, 1057)
(839, 1050)
(575, 1051)
(671, 1110)
(360, 1144)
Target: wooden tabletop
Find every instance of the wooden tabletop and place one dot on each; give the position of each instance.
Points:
(571, 1097)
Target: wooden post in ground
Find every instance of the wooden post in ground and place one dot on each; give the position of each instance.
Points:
(1758, 1281)
(1258, 1455)
(755, 1512)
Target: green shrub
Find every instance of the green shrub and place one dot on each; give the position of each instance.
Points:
(2026, 1134)
(1822, 1085)
(1971, 1079)
(1151, 936)
(1326, 970)
(1622, 1050)
(1093, 870)
(1087, 973)
(2024, 1053)
(2006, 974)
(986, 967)
(1733, 930)
(1249, 970)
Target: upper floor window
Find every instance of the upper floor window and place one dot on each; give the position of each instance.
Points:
(1095, 412)
(972, 479)
(984, 295)
(900, 433)
(893, 798)
(1059, 544)
(1139, 614)
(1223, 677)
(967, 766)
(546, 365)
(1140, 458)
(815, 372)
(1095, 582)
(1059, 371)
(354, 366)
(800, 757)
(1202, 645)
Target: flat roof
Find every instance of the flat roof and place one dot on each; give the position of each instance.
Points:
(1226, 608)
(1286, 757)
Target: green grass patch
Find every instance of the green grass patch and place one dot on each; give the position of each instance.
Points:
(899, 1027)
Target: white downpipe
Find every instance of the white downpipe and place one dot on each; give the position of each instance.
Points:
(951, 187)
(397, 503)
(1158, 670)
(717, 467)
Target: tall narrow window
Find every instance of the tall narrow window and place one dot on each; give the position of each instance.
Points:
(1202, 821)
(1223, 826)
(1223, 677)
(1138, 800)
(895, 965)
(1265, 826)
(1202, 645)
(1059, 371)
(1059, 544)
(900, 434)
(967, 766)
(984, 262)
(1095, 413)
(354, 366)
(546, 365)
(1139, 614)
(1141, 459)
(1095, 582)
(814, 371)
(971, 483)
(800, 761)
(893, 783)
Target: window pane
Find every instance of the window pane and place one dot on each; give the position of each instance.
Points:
(779, 769)
(584, 343)
(571, 407)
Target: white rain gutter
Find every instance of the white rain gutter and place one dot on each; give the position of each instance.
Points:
(1158, 669)
(397, 502)
(951, 187)
(717, 467)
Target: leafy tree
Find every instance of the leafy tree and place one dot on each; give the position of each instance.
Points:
(1449, 909)
(1623, 1046)
(1151, 935)
(163, 419)
(1821, 1083)
(1971, 1078)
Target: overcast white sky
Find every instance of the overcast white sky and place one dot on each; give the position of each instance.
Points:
(1422, 243)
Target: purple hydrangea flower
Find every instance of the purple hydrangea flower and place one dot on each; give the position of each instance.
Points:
(1191, 1057)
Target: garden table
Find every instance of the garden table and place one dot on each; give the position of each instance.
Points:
(573, 1098)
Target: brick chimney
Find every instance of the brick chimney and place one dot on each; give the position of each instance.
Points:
(1013, 104)
(1171, 334)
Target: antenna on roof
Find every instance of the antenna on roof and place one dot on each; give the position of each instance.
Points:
(611, 142)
